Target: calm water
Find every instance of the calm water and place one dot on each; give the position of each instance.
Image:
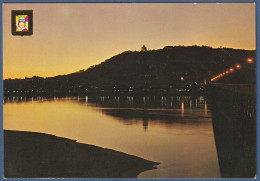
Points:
(175, 131)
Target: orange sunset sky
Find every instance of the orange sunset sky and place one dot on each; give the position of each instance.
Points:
(69, 37)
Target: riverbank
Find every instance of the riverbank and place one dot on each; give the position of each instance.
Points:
(39, 155)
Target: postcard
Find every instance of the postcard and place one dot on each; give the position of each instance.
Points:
(129, 90)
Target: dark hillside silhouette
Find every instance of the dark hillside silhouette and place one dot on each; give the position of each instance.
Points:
(132, 70)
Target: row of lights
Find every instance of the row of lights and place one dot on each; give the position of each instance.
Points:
(238, 66)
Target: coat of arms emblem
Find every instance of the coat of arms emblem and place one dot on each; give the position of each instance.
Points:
(21, 22)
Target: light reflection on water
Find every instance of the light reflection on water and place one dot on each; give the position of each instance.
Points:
(175, 131)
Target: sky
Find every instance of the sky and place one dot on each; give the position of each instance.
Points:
(68, 37)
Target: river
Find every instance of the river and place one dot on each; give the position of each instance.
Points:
(173, 130)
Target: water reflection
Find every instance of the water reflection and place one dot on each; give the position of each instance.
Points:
(206, 107)
(158, 109)
(182, 109)
(124, 100)
(149, 101)
(173, 130)
(145, 123)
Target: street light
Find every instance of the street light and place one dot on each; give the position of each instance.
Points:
(250, 60)
(231, 69)
(238, 66)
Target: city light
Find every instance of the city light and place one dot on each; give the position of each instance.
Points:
(249, 60)
(238, 66)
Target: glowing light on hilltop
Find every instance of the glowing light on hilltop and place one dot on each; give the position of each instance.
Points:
(250, 60)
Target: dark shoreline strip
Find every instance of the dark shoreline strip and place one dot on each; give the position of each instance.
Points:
(39, 155)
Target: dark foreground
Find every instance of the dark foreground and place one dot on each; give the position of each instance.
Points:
(38, 155)
(234, 123)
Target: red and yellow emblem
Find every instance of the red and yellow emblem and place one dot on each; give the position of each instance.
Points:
(22, 22)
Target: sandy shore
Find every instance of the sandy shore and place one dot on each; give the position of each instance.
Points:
(38, 155)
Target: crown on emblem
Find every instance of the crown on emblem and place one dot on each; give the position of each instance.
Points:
(21, 19)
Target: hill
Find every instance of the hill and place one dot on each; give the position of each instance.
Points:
(145, 70)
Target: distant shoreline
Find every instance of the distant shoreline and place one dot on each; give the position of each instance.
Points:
(39, 155)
